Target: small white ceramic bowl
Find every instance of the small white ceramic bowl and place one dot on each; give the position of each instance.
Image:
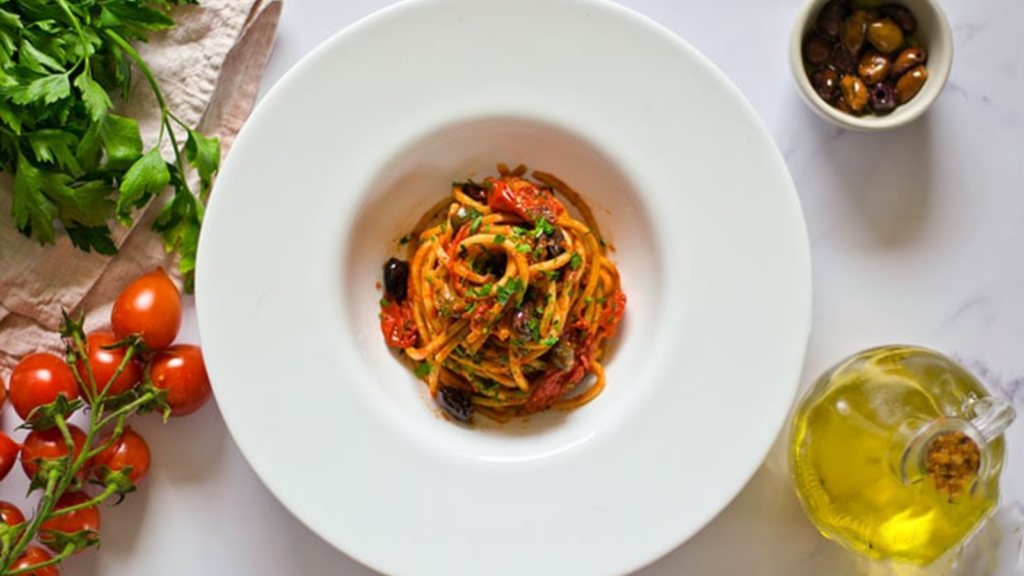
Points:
(935, 36)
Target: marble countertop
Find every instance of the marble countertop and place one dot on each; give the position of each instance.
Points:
(916, 238)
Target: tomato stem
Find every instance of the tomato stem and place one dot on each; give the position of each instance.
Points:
(64, 554)
(42, 513)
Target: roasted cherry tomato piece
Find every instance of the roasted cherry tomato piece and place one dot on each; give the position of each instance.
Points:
(524, 199)
(150, 306)
(33, 556)
(39, 379)
(8, 454)
(180, 371)
(49, 445)
(104, 362)
(397, 324)
(129, 450)
(82, 519)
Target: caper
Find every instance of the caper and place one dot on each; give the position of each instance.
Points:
(909, 58)
(910, 84)
(874, 67)
(885, 35)
(855, 93)
(461, 217)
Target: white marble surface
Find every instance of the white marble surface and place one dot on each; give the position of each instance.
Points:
(916, 237)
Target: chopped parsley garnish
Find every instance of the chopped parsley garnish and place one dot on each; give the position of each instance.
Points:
(509, 289)
(576, 261)
(499, 238)
(549, 341)
(422, 370)
(543, 227)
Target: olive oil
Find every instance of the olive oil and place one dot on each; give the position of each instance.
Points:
(850, 438)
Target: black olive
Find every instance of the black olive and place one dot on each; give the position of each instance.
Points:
(396, 279)
(475, 191)
(552, 244)
(456, 403)
(521, 322)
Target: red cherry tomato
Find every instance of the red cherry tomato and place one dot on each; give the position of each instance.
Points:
(87, 518)
(10, 514)
(35, 555)
(149, 306)
(8, 454)
(397, 324)
(38, 379)
(49, 445)
(129, 450)
(104, 363)
(181, 372)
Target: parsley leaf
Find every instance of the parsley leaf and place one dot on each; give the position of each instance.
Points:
(576, 261)
(146, 178)
(76, 166)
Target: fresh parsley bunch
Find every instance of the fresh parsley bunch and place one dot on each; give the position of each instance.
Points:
(75, 163)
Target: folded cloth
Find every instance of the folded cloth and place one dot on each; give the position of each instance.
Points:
(209, 68)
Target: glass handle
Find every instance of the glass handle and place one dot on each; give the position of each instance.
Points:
(992, 417)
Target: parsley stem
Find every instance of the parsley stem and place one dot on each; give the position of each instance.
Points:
(81, 34)
(165, 113)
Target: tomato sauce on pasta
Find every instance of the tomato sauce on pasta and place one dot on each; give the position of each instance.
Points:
(506, 302)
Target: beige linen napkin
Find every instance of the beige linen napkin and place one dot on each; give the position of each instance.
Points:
(209, 68)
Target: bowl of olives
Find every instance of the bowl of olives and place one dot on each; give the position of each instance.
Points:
(870, 65)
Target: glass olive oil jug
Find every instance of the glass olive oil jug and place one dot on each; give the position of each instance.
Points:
(896, 453)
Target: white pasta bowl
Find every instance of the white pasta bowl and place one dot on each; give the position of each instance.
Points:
(347, 152)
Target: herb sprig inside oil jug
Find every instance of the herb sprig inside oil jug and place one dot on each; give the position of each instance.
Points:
(896, 453)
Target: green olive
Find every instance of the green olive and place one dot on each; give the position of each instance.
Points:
(885, 36)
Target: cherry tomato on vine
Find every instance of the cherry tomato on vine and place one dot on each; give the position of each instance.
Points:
(180, 371)
(104, 363)
(38, 379)
(49, 445)
(149, 306)
(129, 450)
(87, 518)
(8, 454)
(35, 555)
(10, 514)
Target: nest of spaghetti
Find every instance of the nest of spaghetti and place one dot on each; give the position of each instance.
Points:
(506, 301)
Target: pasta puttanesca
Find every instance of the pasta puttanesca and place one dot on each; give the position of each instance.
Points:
(506, 302)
